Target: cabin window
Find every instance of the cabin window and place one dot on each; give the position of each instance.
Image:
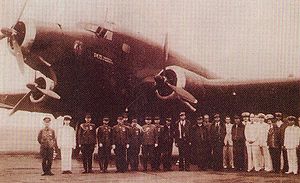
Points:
(108, 35)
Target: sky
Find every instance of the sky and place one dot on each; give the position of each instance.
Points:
(235, 39)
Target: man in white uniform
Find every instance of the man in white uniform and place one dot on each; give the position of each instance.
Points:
(252, 142)
(66, 141)
(291, 142)
(265, 157)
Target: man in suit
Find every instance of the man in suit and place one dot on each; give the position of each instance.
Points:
(228, 145)
(120, 134)
(87, 142)
(104, 138)
(167, 139)
(199, 136)
(238, 139)
(217, 135)
(183, 141)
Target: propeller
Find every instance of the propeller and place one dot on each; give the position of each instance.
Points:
(34, 87)
(11, 34)
(161, 79)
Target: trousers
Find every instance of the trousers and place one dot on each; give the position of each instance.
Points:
(66, 159)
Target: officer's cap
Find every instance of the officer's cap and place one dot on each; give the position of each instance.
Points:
(88, 115)
(182, 113)
(169, 119)
(47, 117)
(67, 117)
(148, 118)
(217, 116)
(245, 114)
(206, 116)
(269, 116)
(261, 115)
(236, 117)
(291, 118)
(120, 117)
(106, 119)
(278, 114)
(252, 115)
(199, 118)
(156, 118)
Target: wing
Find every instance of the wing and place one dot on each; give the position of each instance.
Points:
(20, 101)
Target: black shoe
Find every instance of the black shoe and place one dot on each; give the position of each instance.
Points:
(50, 173)
(90, 171)
(84, 172)
(44, 174)
(64, 172)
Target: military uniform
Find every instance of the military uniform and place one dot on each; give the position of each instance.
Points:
(87, 141)
(166, 143)
(104, 137)
(183, 141)
(135, 140)
(217, 135)
(47, 140)
(157, 150)
(200, 141)
(149, 139)
(120, 140)
(238, 139)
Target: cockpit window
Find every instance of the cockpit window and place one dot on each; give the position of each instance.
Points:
(104, 33)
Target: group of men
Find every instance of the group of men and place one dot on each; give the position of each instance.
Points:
(248, 142)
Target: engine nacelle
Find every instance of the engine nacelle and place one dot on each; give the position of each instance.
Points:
(179, 77)
(44, 83)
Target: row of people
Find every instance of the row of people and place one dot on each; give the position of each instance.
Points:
(255, 142)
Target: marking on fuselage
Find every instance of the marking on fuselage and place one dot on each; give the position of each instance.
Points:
(102, 58)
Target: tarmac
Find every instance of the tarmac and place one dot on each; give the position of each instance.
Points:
(27, 168)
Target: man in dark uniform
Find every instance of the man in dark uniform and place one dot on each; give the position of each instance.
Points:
(217, 135)
(157, 150)
(282, 126)
(238, 138)
(273, 143)
(120, 144)
(87, 142)
(207, 123)
(183, 141)
(167, 139)
(149, 141)
(47, 139)
(199, 136)
(135, 140)
(104, 137)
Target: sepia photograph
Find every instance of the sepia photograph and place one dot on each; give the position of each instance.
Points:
(150, 91)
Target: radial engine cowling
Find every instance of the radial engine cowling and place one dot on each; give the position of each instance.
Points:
(179, 77)
(44, 83)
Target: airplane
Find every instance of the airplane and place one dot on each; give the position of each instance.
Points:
(106, 70)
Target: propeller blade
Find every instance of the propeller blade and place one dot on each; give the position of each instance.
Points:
(166, 53)
(18, 54)
(21, 12)
(188, 105)
(20, 103)
(49, 93)
(183, 94)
